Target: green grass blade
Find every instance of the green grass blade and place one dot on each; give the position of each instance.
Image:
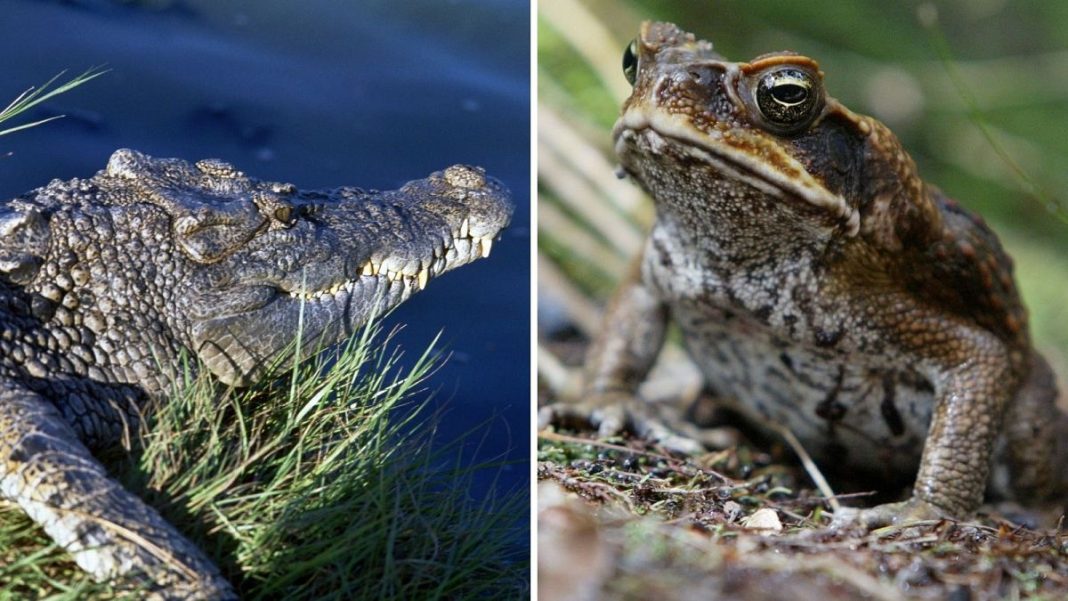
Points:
(37, 95)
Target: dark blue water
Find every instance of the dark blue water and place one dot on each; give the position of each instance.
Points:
(319, 93)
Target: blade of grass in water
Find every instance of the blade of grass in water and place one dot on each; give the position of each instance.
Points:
(36, 95)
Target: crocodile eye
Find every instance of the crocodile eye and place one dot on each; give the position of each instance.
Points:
(788, 97)
(283, 213)
(630, 62)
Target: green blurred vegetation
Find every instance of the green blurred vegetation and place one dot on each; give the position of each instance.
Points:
(948, 77)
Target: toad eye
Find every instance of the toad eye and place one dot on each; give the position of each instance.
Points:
(788, 97)
(630, 62)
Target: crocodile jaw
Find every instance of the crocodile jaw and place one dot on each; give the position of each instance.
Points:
(354, 260)
(322, 316)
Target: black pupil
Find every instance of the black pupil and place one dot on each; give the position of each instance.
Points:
(630, 63)
(789, 93)
(787, 98)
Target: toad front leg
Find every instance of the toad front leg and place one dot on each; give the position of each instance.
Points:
(973, 384)
(110, 532)
(619, 359)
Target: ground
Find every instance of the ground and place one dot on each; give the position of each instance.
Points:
(632, 522)
(624, 519)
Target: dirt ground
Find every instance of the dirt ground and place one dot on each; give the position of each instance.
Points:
(624, 519)
(629, 522)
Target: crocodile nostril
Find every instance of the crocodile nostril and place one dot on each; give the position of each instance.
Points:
(186, 225)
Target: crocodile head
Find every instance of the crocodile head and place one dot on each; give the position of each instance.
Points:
(235, 266)
(275, 261)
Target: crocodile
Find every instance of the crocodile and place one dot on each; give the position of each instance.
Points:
(108, 283)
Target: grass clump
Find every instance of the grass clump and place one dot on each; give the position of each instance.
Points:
(320, 485)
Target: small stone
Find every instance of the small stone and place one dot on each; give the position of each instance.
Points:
(763, 519)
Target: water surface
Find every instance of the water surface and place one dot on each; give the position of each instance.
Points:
(319, 93)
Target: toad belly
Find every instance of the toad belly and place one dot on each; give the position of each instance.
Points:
(857, 413)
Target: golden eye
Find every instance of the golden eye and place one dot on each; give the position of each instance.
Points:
(283, 213)
(788, 97)
(630, 62)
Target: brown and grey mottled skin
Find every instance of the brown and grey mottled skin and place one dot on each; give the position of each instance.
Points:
(818, 283)
(106, 282)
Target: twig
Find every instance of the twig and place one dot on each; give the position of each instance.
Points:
(809, 465)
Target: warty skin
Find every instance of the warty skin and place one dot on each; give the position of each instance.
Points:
(107, 282)
(819, 283)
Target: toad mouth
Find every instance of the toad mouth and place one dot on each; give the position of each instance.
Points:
(764, 167)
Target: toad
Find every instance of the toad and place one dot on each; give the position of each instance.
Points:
(819, 283)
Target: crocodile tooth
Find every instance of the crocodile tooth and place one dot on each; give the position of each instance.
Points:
(485, 244)
(424, 275)
(464, 228)
(376, 267)
(367, 269)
